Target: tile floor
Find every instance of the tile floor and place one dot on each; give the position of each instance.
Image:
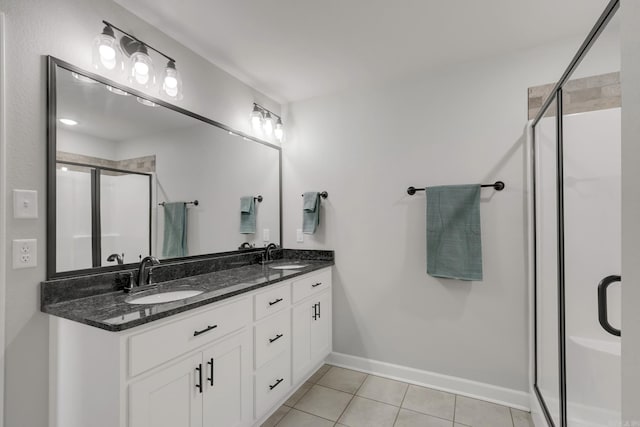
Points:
(341, 397)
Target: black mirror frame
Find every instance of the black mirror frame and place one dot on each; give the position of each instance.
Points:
(52, 63)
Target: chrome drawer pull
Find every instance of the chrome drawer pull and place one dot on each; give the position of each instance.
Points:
(207, 329)
(276, 338)
(271, 387)
(275, 302)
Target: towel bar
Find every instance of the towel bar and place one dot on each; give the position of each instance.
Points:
(323, 194)
(498, 186)
(195, 203)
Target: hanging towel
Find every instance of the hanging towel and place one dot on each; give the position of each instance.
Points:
(247, 215)
(454, 246)
(175, 230)
(310, 212)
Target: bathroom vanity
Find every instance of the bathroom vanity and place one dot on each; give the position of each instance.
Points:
(231, 360)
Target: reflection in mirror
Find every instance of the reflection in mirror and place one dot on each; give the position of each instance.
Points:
(128, 171)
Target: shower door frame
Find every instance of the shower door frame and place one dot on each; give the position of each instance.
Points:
(556, 95)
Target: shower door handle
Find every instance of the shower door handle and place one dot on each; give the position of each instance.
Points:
(603, 316)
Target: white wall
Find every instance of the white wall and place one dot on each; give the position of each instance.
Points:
(463, 124)
(65, 28)
(630, 211)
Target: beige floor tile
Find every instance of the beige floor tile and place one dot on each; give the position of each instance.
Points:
(368, 413)
(477, 413)
(521, 418)
(415, 419)
(383, 390)
(324, 402)
(297, 418)
(431, 402)
(343, 379)
(295, 397)
(319, 373)
(276, 417)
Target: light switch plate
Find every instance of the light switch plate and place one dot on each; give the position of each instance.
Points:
(299, 235)
(265, 235)
(25, 204)
(25, 253)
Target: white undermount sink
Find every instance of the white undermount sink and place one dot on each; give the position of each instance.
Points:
(163, 297)
(288, 266)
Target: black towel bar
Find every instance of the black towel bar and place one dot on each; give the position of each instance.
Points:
(195, 203)
(323, 194)
(498, 186)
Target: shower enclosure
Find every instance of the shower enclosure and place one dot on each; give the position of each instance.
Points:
(576, 136)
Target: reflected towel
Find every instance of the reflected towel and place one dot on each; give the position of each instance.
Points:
(310, 212)
(247, 215)
(174, 243)
(454, 244)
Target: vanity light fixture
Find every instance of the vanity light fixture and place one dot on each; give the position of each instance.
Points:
(117, 91)
(68, 122)
(146, 102)
(262, 119)
(140, 70)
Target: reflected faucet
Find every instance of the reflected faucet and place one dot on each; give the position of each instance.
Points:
(245, 245)
(267, 253)
(141, 269)
(116, 257)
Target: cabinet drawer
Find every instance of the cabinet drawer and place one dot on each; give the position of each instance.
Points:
(272, 301)
(309, 285)
(154, 347)
(272, 337)
(272, 383)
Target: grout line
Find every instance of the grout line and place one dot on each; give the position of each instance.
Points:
(455, 406)
(406, 390)
(352, 397)
(513, 423)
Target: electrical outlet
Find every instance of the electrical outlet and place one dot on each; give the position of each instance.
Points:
(265, 235)
(25, 253)
(299, 235)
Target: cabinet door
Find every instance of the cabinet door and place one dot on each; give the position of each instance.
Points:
(168, 398)
(321, 328)
(227, 378)
(301, 338)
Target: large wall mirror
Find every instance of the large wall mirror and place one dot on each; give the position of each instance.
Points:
(131, 176)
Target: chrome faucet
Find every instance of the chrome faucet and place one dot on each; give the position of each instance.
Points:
(116, 257)
(141, 269)
(267, 253)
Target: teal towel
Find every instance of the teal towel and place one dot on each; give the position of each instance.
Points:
(310, 212)
(454, 245)
(247, 215)
(175, 230)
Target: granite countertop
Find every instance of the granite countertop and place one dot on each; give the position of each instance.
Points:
(111, 312)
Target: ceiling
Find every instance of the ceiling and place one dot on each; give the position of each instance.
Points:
(297, 49)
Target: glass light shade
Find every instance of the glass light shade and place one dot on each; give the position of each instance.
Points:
(278, 132)
(141, 68)
(106, 53)
(268, 124)
(171, 81)
(256, 117)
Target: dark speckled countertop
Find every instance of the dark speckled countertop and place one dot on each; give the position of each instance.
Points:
(110, 311)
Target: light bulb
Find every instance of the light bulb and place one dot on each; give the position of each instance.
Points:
(64, 169)
(106, 55)
(256, 117)
(141, 68)
(278, 132)
(268, 123)
(171, 81)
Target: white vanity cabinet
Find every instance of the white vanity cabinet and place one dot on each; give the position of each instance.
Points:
(228, 364)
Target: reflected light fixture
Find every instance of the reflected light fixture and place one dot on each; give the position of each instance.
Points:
(146, 102)
(68, 122)
(117, 91)
(262, 119)
(64, 169)
(139, 67)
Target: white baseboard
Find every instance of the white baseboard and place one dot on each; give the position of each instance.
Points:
(477, 390)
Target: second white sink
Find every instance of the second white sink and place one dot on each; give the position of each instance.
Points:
(288, 267)
(163, 297)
